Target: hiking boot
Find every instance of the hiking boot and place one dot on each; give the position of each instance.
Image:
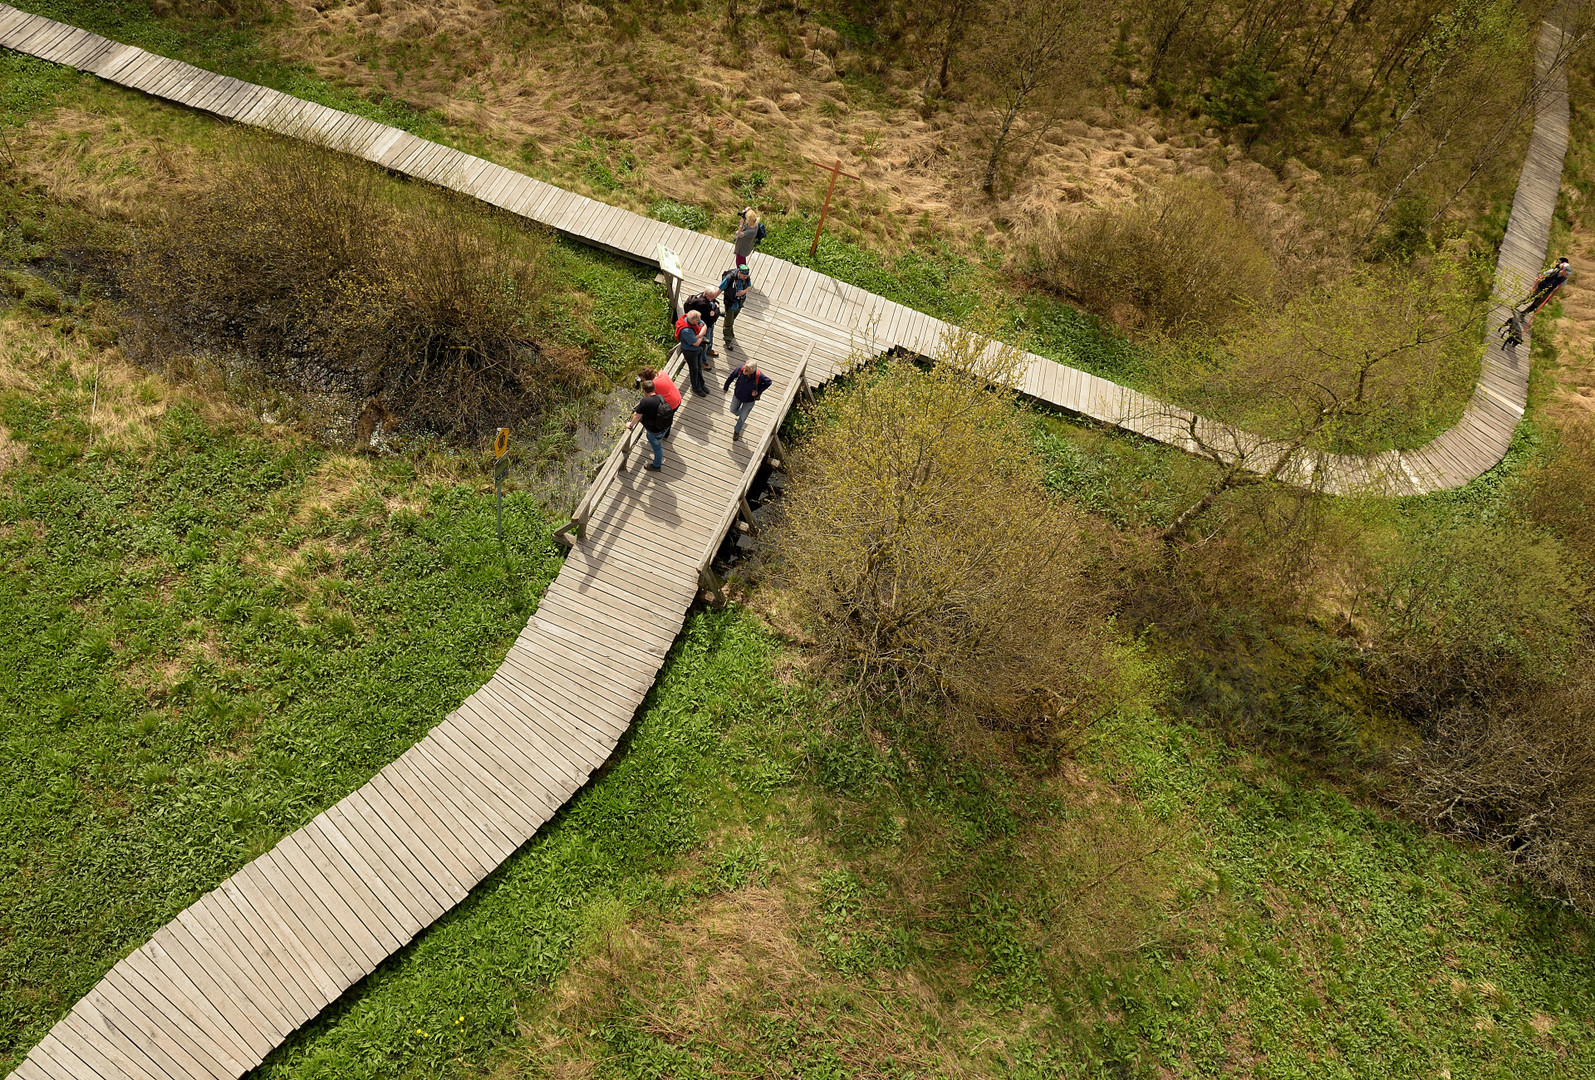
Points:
(735, 434)
(651, 467)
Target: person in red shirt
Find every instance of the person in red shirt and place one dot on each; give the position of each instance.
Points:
(665, 389)
(662, 386)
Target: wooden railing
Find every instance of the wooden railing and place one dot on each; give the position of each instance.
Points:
(613, 465)
(796, 384)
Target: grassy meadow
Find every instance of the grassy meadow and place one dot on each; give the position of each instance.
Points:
(213, 626)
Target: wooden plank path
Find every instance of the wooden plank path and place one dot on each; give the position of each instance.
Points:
(217, 989)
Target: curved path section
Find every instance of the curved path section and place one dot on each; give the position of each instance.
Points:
(217, 989)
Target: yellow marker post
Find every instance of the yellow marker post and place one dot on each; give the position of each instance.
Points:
(501, 468)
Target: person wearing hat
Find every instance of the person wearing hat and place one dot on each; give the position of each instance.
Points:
(693, 335)
(733, 290)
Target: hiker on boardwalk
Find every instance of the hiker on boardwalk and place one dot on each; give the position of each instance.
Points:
(749, 234)
(704, 304)
(654, 415)
(751, 383)
(734, 289)
(1516, 323)
(664, 387)
(1546, 286)
(692, 335)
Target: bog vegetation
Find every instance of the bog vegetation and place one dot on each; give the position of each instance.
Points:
(306, 267)
(931, 561)
(1067, 755)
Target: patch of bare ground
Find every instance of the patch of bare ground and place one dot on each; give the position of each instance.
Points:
(694, 118)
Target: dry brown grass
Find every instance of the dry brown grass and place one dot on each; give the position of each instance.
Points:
(106, 165)
(598, 78)
(125, 402)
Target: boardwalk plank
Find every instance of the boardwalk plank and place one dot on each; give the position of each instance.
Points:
(361, 845)
(387, 818)
(114, 1016)
(301, 987)
(142, 1024)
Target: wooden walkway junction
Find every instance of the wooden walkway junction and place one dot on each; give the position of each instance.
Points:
(217, 989)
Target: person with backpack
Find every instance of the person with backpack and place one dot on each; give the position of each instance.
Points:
(654, 415)
(704, 304)
(664, 387)
(750, 234)
(1547, 285)
(1545, 288)
(692, 335)
(751, 383)
(734, 286)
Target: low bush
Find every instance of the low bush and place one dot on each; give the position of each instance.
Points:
(312, 267)
(1519, 776)
(1175, 259)
(929, 558)
(1560, 494)
(1471, 615)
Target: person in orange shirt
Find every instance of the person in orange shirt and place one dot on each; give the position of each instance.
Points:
(663, 387)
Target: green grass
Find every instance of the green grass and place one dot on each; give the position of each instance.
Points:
(201, 655)
(938, 281)
(1284, 925)
(1297, 932)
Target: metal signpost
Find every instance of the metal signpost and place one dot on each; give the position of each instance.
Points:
(501, 468)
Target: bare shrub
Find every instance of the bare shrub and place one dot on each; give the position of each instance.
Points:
(309, 265)
(1519, 776)
(927, 556)
(1175, 259)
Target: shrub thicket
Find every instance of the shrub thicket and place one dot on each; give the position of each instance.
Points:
(1470, 616)
(1177, 258)
(1519, 775)
(928, 558)
(309, 265)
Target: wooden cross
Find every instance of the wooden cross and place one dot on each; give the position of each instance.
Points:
(835, 171)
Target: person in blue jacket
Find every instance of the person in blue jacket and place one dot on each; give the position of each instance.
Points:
(751, 383)
(733, 291)
(693, 335)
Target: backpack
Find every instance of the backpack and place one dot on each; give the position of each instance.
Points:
(758, 237)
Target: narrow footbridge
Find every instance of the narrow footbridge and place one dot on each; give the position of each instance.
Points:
(217, 989)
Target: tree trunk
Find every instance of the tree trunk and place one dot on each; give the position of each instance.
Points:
(989, 183)
(1234, 478)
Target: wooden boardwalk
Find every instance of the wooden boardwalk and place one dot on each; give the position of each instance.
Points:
(217, 989)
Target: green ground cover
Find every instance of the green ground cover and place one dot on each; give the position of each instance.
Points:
(222, 629)
(208, 639)
(220, 632)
